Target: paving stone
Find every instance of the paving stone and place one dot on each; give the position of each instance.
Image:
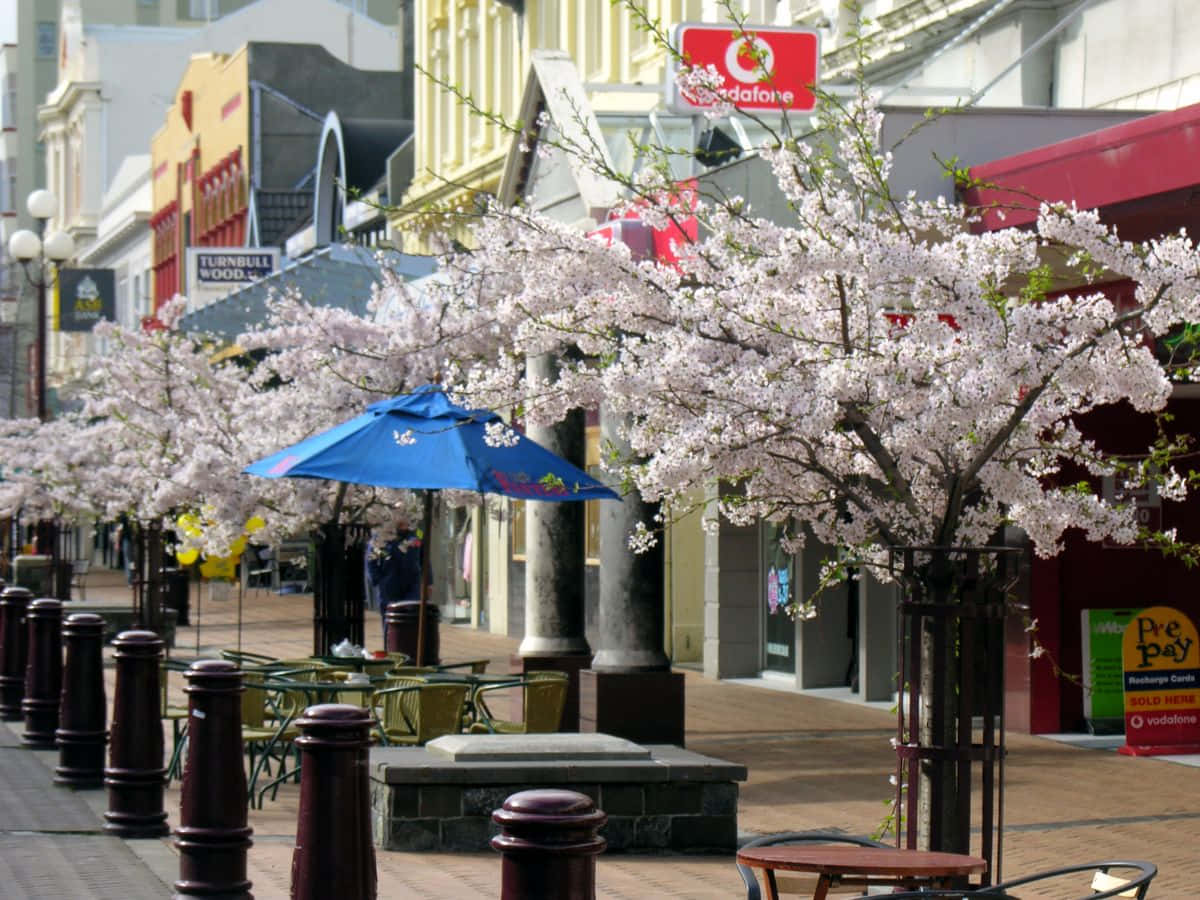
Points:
(95, 867)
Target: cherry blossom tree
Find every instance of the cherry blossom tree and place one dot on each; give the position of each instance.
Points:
(872, 372)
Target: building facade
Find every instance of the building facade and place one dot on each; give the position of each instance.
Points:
(1031, 68)
(232, 165)
(112, 92)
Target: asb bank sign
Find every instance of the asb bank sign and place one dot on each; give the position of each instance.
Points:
(764, 68)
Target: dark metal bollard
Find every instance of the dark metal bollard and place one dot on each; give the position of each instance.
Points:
(402, 619)
(213, 836)
(43, 674)
(334, 855)
(13, 648)
(135, 776)
(548, 844)
(81, 733)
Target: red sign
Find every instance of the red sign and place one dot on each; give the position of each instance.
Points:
(764, 68)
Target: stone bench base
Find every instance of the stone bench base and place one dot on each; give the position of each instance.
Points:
(659, 798)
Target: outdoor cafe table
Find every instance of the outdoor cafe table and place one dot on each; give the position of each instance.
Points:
(835, 864)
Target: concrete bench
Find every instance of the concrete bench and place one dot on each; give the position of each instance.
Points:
(659, 798)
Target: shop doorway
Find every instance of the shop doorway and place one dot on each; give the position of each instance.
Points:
(777, 595)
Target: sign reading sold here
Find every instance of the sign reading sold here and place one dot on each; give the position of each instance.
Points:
(1160, 651)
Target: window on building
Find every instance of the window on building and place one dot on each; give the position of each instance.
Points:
(8, 118)
(203, 9)
(47, 40)
(6, 205)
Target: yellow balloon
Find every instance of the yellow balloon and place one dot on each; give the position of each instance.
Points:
(218, 567)
(255, 523)
(236, 548)
(187, 557)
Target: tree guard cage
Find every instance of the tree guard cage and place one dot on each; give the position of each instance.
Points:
(148, 580)
(951, 711)
(338, 586)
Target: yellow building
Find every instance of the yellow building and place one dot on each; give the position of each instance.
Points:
(234, 163)
(200, 193)
(484, 47)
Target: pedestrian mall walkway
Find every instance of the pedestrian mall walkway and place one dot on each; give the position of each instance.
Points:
(814, 763)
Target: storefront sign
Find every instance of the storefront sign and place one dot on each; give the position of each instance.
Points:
(1160, 651)
(764, 68)
(83, 298)
(1102, 631)
(214, 272)
(233, 266)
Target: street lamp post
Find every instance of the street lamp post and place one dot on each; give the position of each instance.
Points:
(27, 247)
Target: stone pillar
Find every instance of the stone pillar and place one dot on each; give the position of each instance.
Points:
(81, 733)
(43, 674)
(135, 776)
(549, 845)
(14, 644)
(333, 851)
(630, 691)
(213, 836)
(555, 564)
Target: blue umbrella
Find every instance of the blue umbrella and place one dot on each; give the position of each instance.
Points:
(422, 441)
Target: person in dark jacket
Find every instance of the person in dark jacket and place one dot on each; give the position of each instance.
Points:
(395, 572)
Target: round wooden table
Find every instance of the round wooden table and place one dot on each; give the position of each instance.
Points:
(841, 864)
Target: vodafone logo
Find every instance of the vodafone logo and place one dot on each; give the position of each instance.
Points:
(755, 51)
(766, 68)
(1136, 721)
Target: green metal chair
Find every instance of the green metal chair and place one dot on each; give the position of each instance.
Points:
(544, 694)
(417, 711)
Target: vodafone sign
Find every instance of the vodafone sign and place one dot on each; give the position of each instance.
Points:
(764, 68)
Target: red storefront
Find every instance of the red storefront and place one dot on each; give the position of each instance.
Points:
(1144, 179)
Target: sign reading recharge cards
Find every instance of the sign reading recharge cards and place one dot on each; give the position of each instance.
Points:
(1161, 655)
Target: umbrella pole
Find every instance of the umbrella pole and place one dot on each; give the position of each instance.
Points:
(198, 593)
(426, 535)
(239, 636)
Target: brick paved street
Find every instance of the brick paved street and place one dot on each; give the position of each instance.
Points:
(813, 763)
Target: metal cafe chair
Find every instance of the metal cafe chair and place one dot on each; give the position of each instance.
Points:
(1104, 884)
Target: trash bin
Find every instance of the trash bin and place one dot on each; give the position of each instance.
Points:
(33, 571)
(402, 624)
(177, 593)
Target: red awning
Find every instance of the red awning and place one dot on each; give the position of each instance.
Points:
(1143, 175)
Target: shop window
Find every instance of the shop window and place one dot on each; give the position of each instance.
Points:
(516, 525)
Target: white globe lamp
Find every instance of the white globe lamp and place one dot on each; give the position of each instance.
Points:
(59, 246)
(41, 204)
(24, 245)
